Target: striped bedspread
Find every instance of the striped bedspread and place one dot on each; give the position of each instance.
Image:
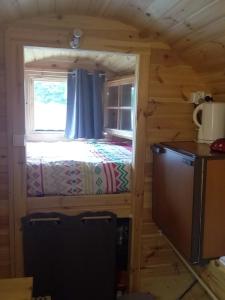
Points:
(77, 168)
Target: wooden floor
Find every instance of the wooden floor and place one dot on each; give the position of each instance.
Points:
(208, 281)
(213, 275)
(173, 287)
(172, 280)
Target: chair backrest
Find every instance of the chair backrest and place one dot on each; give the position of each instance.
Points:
(71, 257)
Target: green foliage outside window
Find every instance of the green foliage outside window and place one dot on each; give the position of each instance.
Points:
(50, 91)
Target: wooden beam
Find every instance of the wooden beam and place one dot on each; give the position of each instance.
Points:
(139, 146)
(117, 203)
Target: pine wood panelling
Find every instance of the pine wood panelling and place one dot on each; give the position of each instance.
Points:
(213, 11)
(46, 6)
(4, 203)
(37, 58)
(139, 144)
(194, 29)
(216, 82)
(97, 37)
(27, 7)
(169, 117)
(119, 204)
(165, 112)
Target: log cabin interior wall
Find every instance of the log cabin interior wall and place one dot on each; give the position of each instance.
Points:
(4, 203)
(215, 80)
(61, 60)
(57, 34)
(168, 116)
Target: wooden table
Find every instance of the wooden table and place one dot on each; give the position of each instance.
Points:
(16, 288)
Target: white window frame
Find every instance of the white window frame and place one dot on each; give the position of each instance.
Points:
(31, 133)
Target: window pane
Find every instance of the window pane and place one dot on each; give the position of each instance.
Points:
(112, 118)
(113, 96)
(125, 119)
(126, 95)
(50, 105)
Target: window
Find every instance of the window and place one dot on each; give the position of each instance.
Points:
(49, 96)
(45, 106)
(120, 95)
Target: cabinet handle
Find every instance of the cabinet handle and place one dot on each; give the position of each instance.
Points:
(158, 150)
(188, 162)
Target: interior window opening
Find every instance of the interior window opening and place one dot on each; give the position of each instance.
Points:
(63, 88)
(79, 122)
(50, 96)
(57, 166)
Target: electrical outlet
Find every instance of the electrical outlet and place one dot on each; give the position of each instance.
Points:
(197, 97)
(208, 95)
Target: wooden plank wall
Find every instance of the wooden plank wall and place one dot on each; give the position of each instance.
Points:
(215, 80)
(169, 117)
(4, 205)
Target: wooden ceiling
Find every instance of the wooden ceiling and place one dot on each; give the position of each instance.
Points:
(194, 28)
(51, 58)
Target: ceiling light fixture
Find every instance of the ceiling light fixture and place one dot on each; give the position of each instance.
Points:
(75, 41)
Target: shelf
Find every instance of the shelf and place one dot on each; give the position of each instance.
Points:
(121, 81)
(127, 134)
(119, 107)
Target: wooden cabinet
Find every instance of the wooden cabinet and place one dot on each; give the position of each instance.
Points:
(189, 198)
(119, 104)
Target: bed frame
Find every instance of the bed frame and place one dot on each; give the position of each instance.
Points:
(120, 204)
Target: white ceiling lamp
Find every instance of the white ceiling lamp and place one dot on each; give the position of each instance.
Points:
(75, 41)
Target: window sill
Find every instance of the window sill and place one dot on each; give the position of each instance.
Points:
(127, 134)
(43, 136)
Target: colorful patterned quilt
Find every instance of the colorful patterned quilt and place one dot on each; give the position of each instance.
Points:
(77, 168)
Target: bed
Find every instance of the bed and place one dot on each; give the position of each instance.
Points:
(78, 168)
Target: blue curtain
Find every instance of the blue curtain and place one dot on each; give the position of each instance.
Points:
(84, 105)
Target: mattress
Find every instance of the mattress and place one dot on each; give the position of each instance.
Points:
(77, 168)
